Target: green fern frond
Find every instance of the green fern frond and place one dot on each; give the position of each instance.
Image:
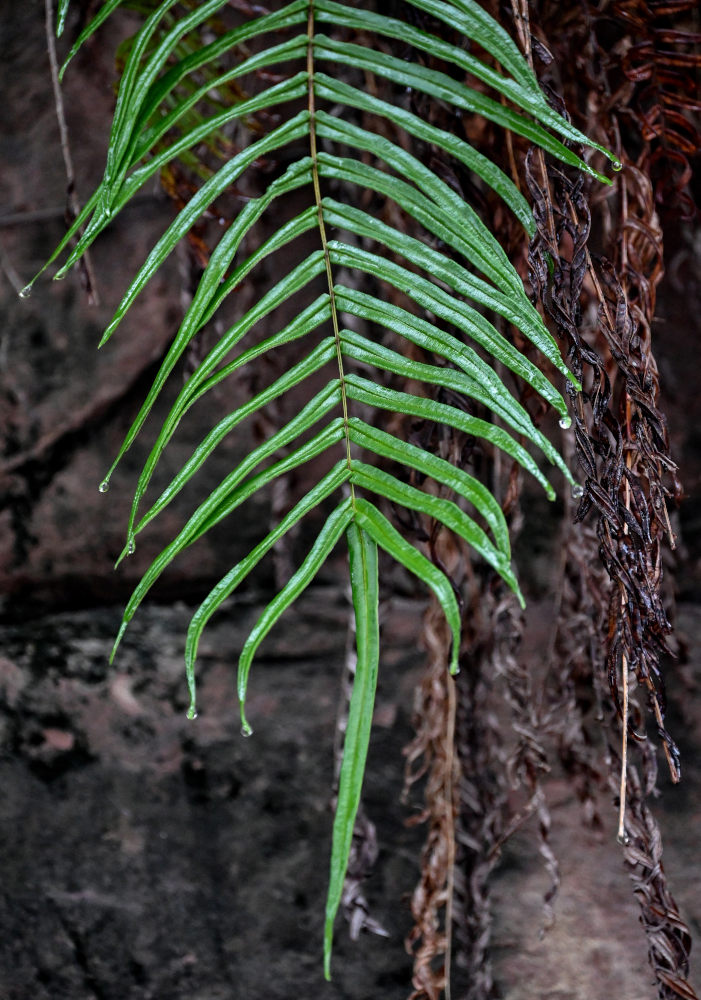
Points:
(449, 281)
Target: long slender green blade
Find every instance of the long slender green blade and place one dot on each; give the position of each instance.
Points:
(193, 390)
(279, 93)
(484, 250)
(432, 338)
(440, 267)
(212, 189)
(366, 598)
(389, 539)
(379, 442)
(102, 215)
(449, 308)
(322, 354)
(61, 15)
(288, 231)
(526, 95)
(107, 8)
(218, 504)
(290, 15)
(316, 313)
(141, 70)
(448, 226)
(292, 283)
(444, 88)
(144, 139)
(440, 509)
(361, 349)
(215, 507)
(334, 90)
(329, 535)
(226, 586)
(364, 391)
(472, 20)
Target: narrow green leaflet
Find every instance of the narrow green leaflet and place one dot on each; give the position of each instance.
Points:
(333, 90)
(441, 509)
(444, 88)
(357, 347)
(107, 8)
(294, 129)
(523, 315)
(389, 539)
(219, 503)
(320, 356)
(309, 319)
(364, 391)
(362, 550)
(320, 551)
(288, 16)
(293, 282)
(143, 141)
(483, 250)
(329, 484)
(527, 97)
(451, 309)
(381, 443)
(61, 14)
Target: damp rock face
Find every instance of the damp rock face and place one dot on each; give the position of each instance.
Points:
(148, 856)
(65, 407)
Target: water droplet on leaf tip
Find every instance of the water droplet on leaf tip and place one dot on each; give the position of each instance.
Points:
(26, 292)
(565, 422)
(104, 486)
(577, 491)
(60, 275)
(623, 839)
(246, 730)
(617, 165)
(191, 713)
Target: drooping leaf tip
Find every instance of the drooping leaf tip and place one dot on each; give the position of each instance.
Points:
(120, 635)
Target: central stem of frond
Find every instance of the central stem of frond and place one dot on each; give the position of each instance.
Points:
(322, 231)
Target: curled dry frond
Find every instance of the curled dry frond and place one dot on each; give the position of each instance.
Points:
(622, 447)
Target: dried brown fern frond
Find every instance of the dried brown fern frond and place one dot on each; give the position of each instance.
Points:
(432, 755)
(660, 55)
(622, 447)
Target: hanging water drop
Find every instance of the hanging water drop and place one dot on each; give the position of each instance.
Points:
(623, 839)
(192, 713)
(26, 292)
(60, 275)
(577, 491)
(565, 422)
(104, 486)
(246, 730)
(617, 165)
(131, 547)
